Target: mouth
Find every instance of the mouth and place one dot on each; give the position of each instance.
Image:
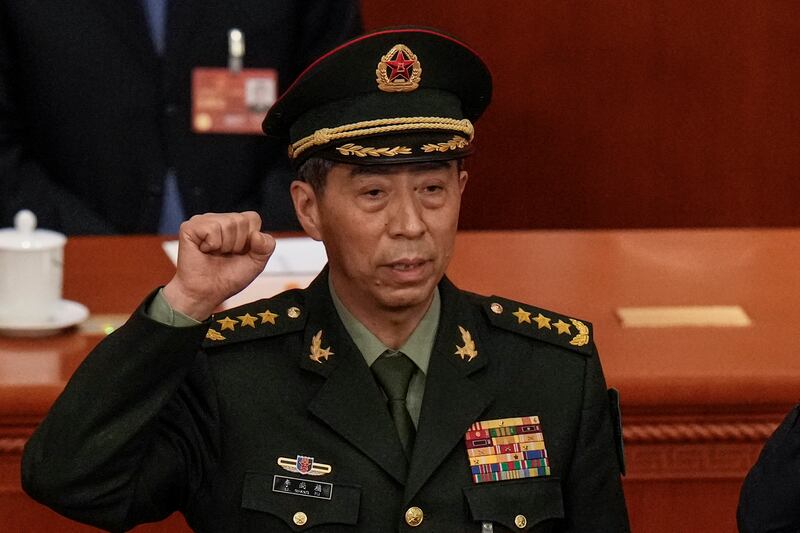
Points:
(409, 270)
(405, 265)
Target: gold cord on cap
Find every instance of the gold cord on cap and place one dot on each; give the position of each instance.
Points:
(384, 125)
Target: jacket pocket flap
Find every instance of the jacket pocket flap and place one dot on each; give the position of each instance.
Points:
(504, 502)
(304, 507)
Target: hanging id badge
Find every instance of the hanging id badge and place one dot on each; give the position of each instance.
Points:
(232, 100)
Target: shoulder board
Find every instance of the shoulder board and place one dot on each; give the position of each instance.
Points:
(540, 324)
(284, 313)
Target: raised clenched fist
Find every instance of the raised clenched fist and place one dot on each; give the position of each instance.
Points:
(219, 254)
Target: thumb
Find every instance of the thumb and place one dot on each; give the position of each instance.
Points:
(261, 245)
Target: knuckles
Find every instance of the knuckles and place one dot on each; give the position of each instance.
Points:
(222, 232)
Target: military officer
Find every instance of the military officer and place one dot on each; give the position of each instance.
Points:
(380, 398)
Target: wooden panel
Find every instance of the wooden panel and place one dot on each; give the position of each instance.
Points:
(698, 402)
(628, 114)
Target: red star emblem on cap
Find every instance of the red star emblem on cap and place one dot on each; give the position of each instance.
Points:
(400, 66)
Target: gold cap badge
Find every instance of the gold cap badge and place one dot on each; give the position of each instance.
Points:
(399, 70)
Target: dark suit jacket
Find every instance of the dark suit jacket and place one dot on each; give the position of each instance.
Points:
(770, 496)
(151, 423)
(91, 118)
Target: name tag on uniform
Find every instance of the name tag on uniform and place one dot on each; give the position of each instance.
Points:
(232, 102)
(302, 487)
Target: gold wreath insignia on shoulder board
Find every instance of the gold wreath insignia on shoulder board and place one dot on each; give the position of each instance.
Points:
(468, 351)
(214, 335)
(582, 338)
(317, 351)
(399, 70)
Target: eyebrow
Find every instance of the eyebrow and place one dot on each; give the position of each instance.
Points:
(359, 170)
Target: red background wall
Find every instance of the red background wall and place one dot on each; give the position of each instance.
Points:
(619, 114)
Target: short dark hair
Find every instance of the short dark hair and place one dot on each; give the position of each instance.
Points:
(314, 171)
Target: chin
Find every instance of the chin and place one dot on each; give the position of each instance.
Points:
(408, 296)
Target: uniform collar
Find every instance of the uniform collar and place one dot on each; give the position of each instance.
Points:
(418, 347)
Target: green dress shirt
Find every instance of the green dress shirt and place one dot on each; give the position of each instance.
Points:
(418, 347)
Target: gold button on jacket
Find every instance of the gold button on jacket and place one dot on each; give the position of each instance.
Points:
(414, 516)
(300, 518)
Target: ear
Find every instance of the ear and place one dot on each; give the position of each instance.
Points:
(306, 206)
(462, 180)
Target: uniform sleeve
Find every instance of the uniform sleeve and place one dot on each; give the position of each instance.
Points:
(134, 433)
(593, 499)
(24, 183)
(770, 496)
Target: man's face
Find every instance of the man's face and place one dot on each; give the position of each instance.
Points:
(389, 231)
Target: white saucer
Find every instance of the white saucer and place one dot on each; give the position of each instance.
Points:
(64, 314)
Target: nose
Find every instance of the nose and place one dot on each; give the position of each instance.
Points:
(406, 220)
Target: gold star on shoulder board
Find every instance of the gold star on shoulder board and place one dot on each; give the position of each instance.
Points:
(542, 321)
(317, 351)
(467, 351)
(247, 320)
(227, 323)
(562, 327)
(522, 316)
(267, 316)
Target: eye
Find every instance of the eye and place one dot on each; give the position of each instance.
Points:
(432, 188)
(372, 194)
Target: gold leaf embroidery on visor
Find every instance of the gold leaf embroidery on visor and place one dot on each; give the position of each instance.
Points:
(364, 151)
(453, 144)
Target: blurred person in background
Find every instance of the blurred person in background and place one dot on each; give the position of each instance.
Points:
(130, 117)
(770, 496)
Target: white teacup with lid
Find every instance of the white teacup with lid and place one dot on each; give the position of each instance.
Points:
(31, 273)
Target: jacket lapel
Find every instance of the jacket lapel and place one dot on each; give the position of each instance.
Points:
(452, 400)
(349, 401)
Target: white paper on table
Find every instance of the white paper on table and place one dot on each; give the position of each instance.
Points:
(294, 264)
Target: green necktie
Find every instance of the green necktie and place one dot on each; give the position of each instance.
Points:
(393, 371)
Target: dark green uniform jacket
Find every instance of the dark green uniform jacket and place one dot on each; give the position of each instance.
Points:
(196, 419)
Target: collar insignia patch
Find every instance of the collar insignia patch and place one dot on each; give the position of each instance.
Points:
(467, 351)
(506, 448)
(305, 465)
(318, 353)
(399, 70)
